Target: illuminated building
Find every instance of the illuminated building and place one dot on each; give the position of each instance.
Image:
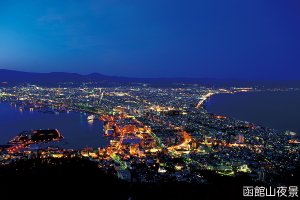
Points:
(142, 143)
(130, 128)
(240, 138)
(133, 148)
(195, 145)
(141, 152)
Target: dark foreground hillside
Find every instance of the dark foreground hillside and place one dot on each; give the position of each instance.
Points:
(59, 178)
(73, 178)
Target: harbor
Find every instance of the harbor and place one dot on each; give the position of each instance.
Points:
(78, 131)
(168, 136)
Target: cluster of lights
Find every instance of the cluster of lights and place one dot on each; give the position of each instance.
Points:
(118, 160)
(157, 140)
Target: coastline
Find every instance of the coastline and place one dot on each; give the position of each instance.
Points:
(74, 126)
(271, 109)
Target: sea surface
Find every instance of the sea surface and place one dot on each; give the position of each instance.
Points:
(276, 110)
(279, 110)
(78, 132)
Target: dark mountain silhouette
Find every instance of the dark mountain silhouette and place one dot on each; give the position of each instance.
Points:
(70, 178)
(60, 178)
(13, 78)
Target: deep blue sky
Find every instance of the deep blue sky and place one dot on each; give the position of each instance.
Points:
(249, 39)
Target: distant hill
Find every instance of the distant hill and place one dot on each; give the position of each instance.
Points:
(13, 78)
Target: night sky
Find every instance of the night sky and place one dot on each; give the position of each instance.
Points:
(247, 39)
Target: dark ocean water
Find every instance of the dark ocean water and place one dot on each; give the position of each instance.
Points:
(277, 110)
(78, 132)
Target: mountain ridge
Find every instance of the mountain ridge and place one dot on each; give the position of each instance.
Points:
(13, 78)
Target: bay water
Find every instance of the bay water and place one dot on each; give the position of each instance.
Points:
(74, 126)
(279, 110)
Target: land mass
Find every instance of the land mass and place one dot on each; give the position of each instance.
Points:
(53, 79)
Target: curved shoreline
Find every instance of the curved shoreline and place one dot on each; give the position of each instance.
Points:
(265, 118)
(73, 126)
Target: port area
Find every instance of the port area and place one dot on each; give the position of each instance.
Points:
(158, 143)
(148, 148)
(28, 140)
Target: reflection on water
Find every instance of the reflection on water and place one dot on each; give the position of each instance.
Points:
(78, 131)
